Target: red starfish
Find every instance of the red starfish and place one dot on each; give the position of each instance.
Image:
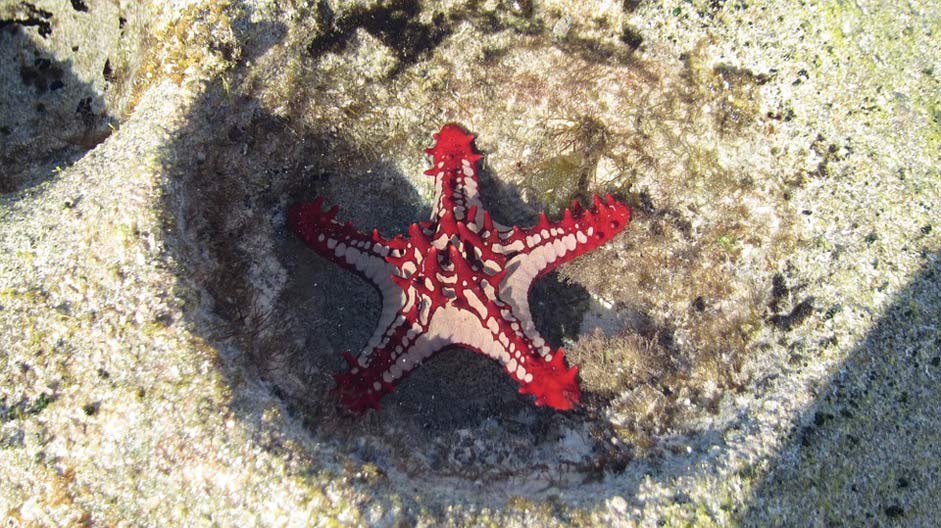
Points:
(459, 279)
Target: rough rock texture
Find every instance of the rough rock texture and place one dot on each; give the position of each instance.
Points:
(759, 347)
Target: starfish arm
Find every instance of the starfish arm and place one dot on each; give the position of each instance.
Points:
(394, 351)
(546, 245)
(369, 377)
(543, 247)
(364, 254)
(455, 172)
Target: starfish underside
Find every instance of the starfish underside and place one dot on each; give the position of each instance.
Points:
(460, 279)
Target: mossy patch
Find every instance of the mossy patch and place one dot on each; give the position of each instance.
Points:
(199, 42)
(24, 407)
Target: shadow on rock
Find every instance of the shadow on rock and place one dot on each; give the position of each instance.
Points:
(60, 90)
(866, 453)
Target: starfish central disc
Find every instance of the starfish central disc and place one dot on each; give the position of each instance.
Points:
(460, 279)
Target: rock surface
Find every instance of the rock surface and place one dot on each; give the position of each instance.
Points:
(759, 347)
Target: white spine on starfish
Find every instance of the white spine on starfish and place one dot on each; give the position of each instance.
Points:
(492, 325)
(439, 195)
(509, 248)
(470, 185)
(537, 258)
(551, 254)
(410, 300)
(491, 267)
(409, 269)
(441, 242)
(569, 241)
(424, 309)
(489, 291)
(476, 303)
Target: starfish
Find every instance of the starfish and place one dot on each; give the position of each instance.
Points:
(458, 280)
